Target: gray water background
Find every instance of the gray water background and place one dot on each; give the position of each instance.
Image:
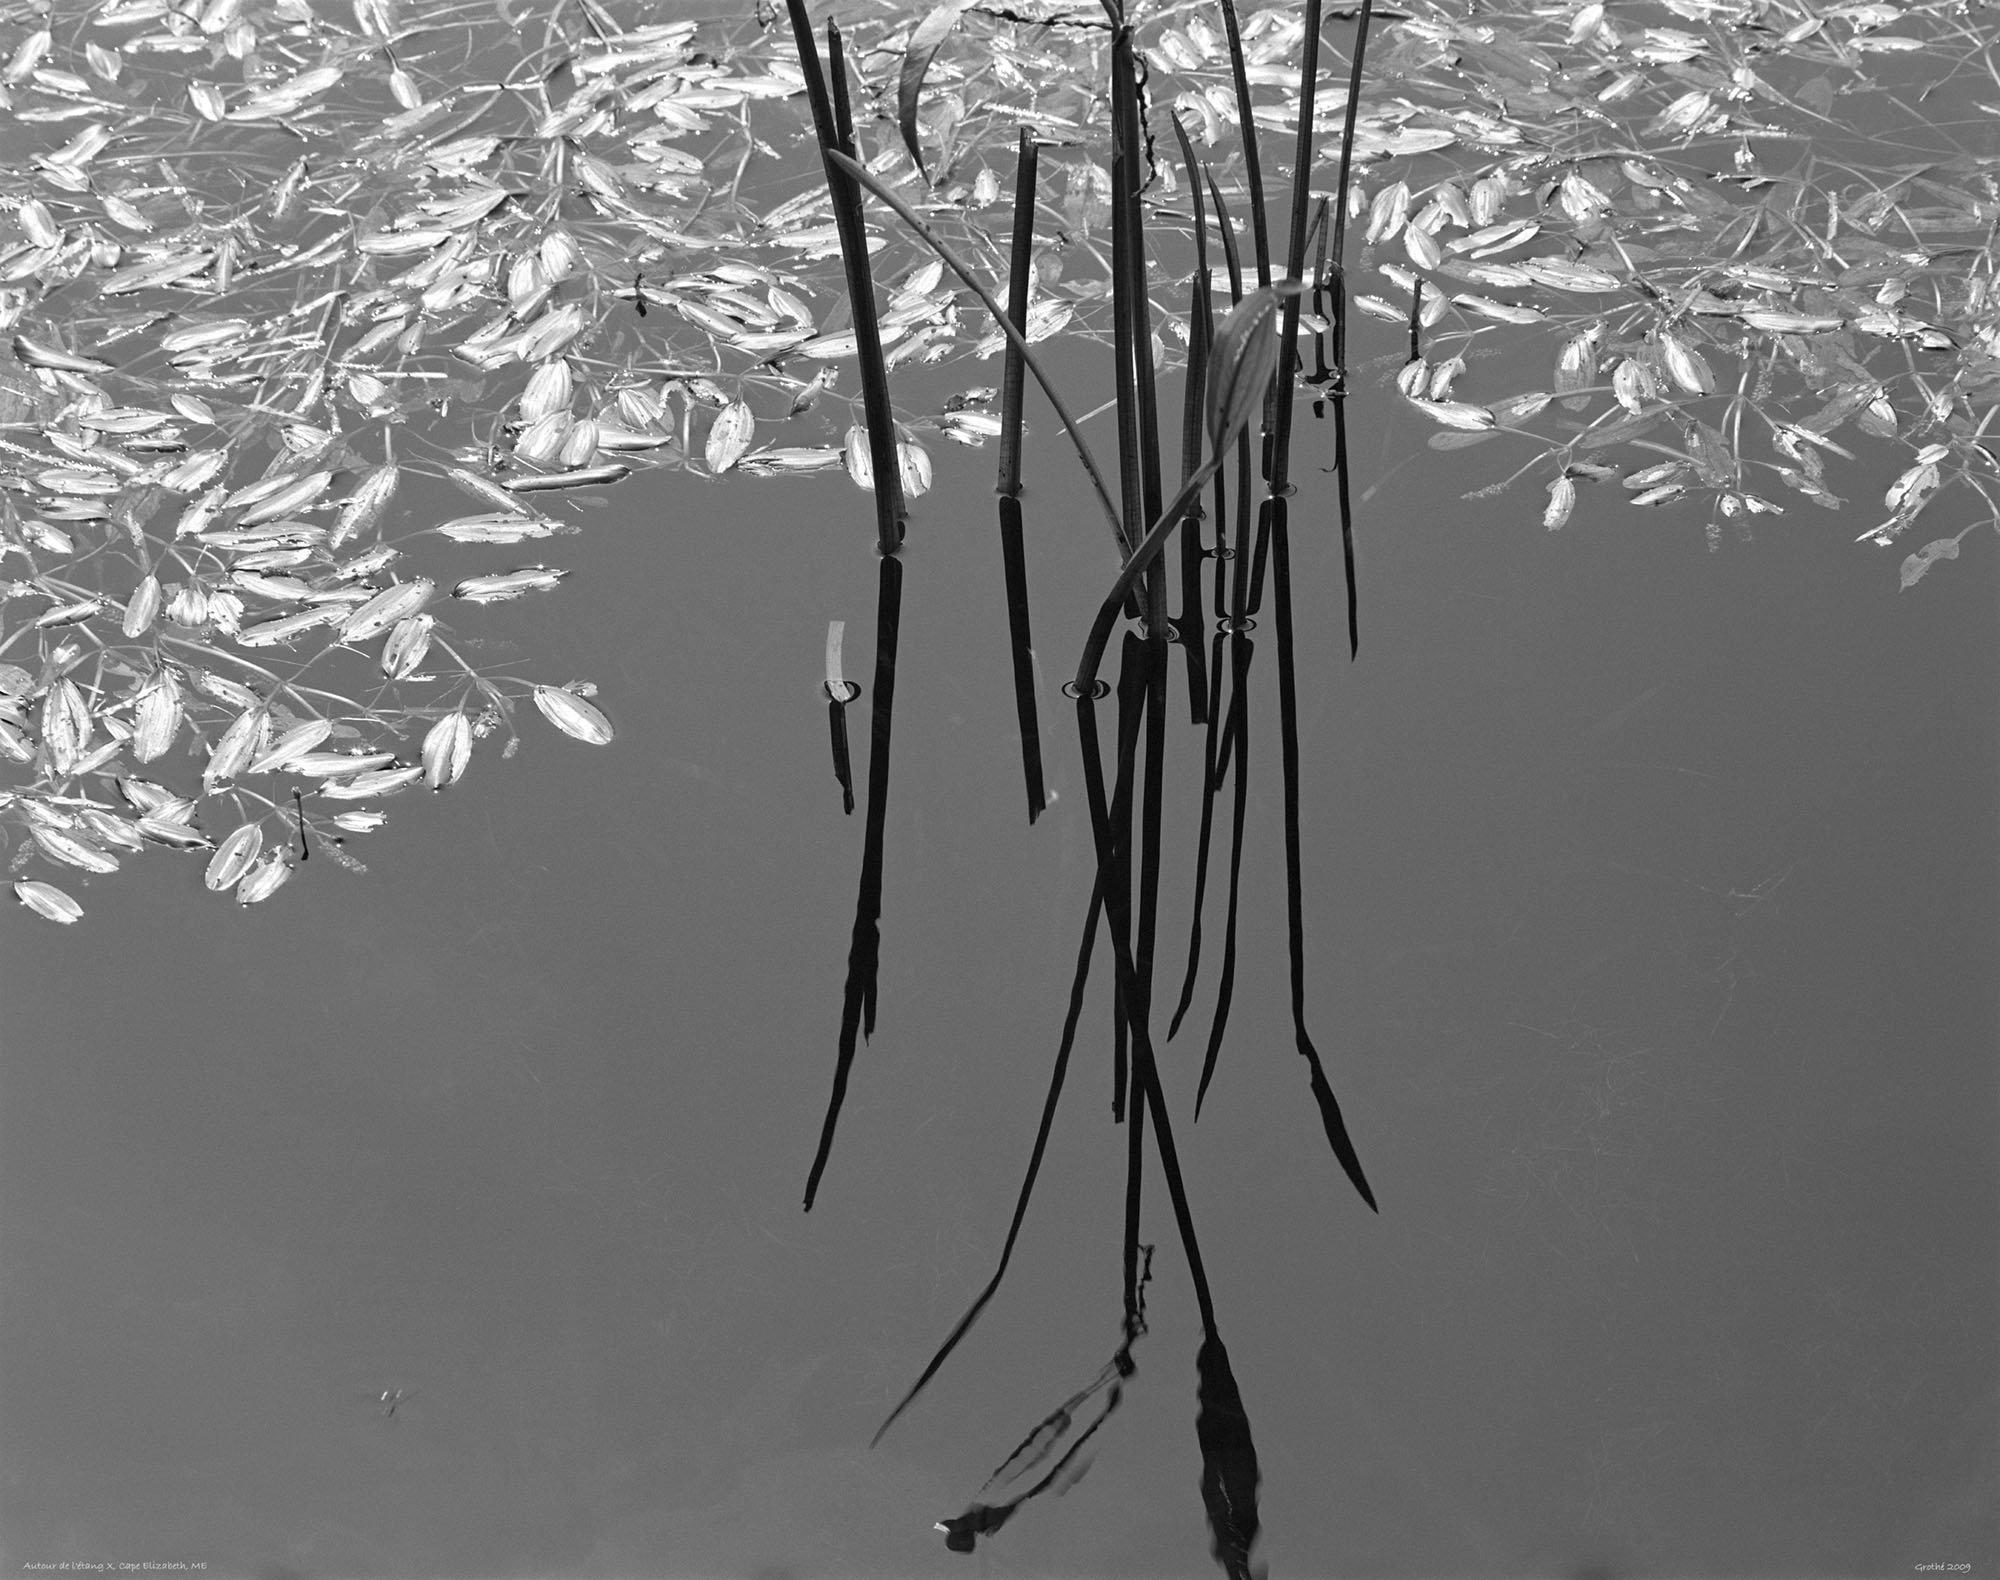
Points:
(1651, 927)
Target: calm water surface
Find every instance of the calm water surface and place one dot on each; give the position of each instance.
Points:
(1651, 917)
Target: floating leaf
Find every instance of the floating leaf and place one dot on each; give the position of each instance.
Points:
(572, 715)
(45, 899)
(233, 856)
(264, 880)
(447, 749)
(295, 743)
(1562, 500)
(241, 743)
(386, 608)
(1925, 557)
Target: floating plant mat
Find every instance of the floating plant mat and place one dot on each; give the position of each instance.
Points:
(277, 278)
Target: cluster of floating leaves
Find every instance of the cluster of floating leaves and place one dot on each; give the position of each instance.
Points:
(1730, 276)
(279, 278)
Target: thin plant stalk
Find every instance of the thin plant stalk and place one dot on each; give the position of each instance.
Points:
(832, 123)
(1013, 550)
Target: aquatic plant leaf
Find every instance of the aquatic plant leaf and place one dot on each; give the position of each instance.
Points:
(447, 749)
(334, 765)
(72, 851)
(295, 743)
(264, 880)
(234, 856)
(408, 644)
(729, 436)
(573, 715)
(1562, 501)
(925, 39)
(1916, 564)
(386, 608)
(1241, 361)
(508, 584)
(240, 744)
(46, 900)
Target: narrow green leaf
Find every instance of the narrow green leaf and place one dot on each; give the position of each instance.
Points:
(925, 41)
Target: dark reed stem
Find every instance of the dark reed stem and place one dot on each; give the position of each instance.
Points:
(1013, 551)
(1340, 322)
(1130, 494)
(864, 954)
(1078, 979)
(1288, 730)
(1212, 737)
(1229, 1481)
(1236, 742)
(1201, 323)
(1253, 166)
(1245, 350)
(1118, 883)
(832, 123)
(1136, 282)
(1145, 1071)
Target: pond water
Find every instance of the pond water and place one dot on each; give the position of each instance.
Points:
(445, 1220)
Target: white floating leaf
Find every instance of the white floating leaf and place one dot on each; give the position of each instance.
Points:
(447, 749)
(295, 743)
(240, 745)
(264, 880)
(1562, 500)
(386, 608)
(143, 607)
(157, 716)
(1686, 366)
(730, 436)
(406, 647)
(233, 856)
(66, 848)
(508, 584)
(45, 899)
(572, 715)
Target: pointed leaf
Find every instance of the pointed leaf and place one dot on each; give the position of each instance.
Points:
(1242, 360)
(925, 39)
(572, 715)
(45, 899)
(233, 856)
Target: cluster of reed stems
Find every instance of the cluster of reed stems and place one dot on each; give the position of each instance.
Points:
(1235, 448)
